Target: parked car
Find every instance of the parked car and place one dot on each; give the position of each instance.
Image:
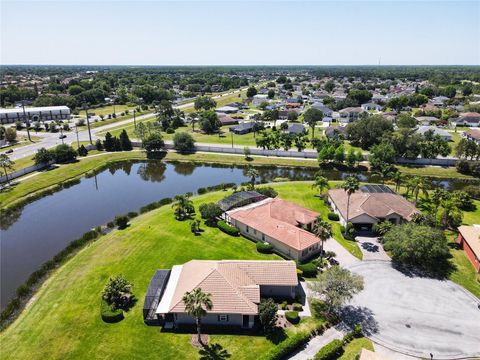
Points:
(62, 136)
(9, 151)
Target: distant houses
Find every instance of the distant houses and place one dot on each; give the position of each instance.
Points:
(445, 135)
(468, 119)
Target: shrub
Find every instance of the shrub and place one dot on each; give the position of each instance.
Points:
(287, 347)
(267, 191)
(308, 269)
(170, 130)
(228, 229)
(209, 212)
(132, 214)
(183, 142)
(264, 248)
(284, 305)
(201, 191)
(297, 307)
(108, 315)
(292, 317)
(333, 216)
(110, 224)
(473, 191)
(355, 333)
(330, 351)
(165, 201)
(82, 150)
(149, 207)
(63, 153)
(121, 221)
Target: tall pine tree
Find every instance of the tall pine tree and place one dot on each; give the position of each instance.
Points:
(109, 143)
(125, 142)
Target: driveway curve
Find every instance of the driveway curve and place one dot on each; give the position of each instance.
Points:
(414, 315)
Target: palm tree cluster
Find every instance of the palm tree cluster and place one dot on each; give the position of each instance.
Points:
(183, 207)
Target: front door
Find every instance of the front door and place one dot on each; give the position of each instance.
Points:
(246, 319)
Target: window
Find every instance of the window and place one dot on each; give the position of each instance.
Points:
(248, 229)
(223, 318)
(255, 231)
(263, 237)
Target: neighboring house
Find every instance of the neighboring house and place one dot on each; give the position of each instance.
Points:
(227, 109)
(469, 239)
(439, 100)
(445, 135)
(468, 119)
(370, 355)
(33, 114)
(335, 132)
(240, 198)
(327, 112)
(350, 114)
(236, 287)
(371, 106)
(258, 99)
(242, 128)
(226, 120)
(427, 120)
(370, 205)
(473, 134)
(284, 225)
(294, 129)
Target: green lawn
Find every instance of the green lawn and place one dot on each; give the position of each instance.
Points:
(354, 348)
(63, 320)
(20, 141)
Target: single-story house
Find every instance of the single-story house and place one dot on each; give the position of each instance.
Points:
(469, 239)
(439, 100)
(473, 134)
(295, 128)
(327, 112)
(240, 198)
(227, 109)
(371, 106)
(468, 119)
(335, 131)
(445, 135)
(242, 128)
(235, 286)
(370, 205)
(284, 225)
(226, 120)
(427, 120)
(259, 98)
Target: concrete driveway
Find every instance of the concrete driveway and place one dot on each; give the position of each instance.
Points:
(413, 315)
(371, 248)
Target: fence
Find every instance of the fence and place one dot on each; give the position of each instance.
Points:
(22, 172)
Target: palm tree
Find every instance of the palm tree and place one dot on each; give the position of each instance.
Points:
(6, 164)
(197, 303)
(418, 184)
(397, 178)
(193, 119)
(252, 174)
(437, 196)
(322, 230)
(350, 185)
(321, 182)
(182, 206)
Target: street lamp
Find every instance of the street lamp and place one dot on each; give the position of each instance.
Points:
(27, 122)
(88, 123)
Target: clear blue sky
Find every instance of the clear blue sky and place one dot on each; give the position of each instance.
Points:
(246, 32)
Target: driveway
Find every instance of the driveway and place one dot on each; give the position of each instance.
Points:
(371, 248)
(341, 254)
(413, 315)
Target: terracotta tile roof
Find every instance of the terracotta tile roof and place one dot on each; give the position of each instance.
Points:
(233, 284)
(279, 219)
(474, 133)
(471, 235)
(377, 205)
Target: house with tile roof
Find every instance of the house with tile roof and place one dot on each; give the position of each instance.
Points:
(284, 225)
(370, 205)
(235, 286)
(469, 240)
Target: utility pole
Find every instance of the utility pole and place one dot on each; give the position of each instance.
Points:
(232, 138)
(27, 122)
(78, 141)
(88, 124)
(134, 122)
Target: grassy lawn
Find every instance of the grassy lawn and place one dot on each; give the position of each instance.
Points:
(105, 110)
(63, 321)
(20, 141)
(354, 348)
(433, 171)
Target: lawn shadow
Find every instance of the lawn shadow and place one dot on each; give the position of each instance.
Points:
(214, 352)
(276, 336)
(353, 315)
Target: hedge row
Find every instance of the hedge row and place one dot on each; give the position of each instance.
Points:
(292, 317)
(333, 216)
(230, 230)
(223, 186)
(308, 269)
(108, 315)
(155, 205)
(291, 344)
(25, 289)
(264, 248)
(330, 351)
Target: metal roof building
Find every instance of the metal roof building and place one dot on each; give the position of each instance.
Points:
(46, 113)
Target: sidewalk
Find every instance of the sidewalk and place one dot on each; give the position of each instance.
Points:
(316, 343)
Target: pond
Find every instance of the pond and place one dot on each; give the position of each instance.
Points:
(38, 231)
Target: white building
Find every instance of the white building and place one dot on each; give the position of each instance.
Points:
(47, 113)
(259, 98)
